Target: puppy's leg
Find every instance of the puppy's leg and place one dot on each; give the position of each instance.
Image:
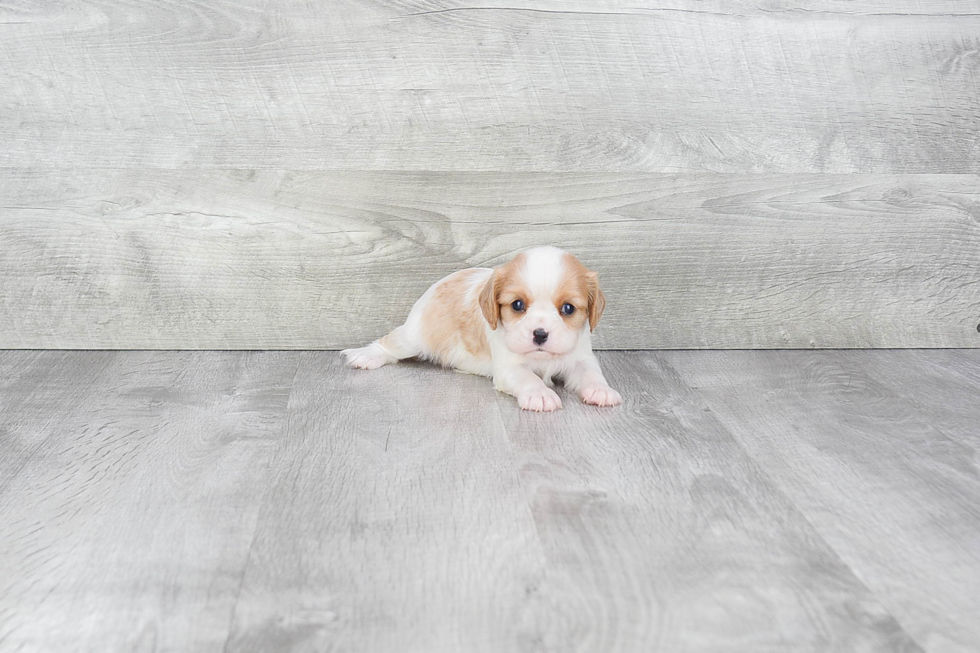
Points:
(585, 378)
(530, 390)
(393, 347)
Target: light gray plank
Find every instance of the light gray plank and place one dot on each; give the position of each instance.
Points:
(128, 527)
(415, 509)
(396, 521)
(400, 521)
(38, 392)
(940, 387)
(535, 86)
(199, 259)
(662, 535)
(959, 362)
(894, 496)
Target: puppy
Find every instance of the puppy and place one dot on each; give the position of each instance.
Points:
(524, 324)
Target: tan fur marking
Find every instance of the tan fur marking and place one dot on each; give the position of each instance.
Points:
(488, 301)
(582, 284)
(450, 319)
(508, 286)
(394, 343)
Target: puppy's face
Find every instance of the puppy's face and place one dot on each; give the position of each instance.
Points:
(542, 299)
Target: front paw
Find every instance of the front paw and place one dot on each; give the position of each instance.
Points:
(600, 395)
(539, 399)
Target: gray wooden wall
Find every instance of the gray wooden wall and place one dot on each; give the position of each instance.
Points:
(293, 174)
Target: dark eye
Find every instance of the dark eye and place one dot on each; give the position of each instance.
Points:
(567, 309)
(518, 305)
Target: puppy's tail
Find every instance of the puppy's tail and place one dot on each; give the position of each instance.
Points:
(393, 347)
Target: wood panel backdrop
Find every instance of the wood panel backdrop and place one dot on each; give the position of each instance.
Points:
(293, 174)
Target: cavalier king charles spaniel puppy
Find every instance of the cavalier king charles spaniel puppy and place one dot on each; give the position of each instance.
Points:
(524, 323)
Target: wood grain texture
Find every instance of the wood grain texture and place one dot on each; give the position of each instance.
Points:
(198, 259)
(634, 86)
(740, 501)
(396, 521)
(127, 527)
(931, 382)
(260, 174)
(662, 535)
(880, 475)
(39, 391)
(418, 510)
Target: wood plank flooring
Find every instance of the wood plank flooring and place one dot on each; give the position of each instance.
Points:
(277, 501)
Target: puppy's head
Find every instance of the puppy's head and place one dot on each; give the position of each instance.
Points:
(542, 299)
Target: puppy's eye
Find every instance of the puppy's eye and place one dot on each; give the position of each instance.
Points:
(518, 305)
(567, 309)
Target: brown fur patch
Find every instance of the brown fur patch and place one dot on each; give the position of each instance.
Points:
(450, 319)
(488, 301)
(580, 288)
(509, 286)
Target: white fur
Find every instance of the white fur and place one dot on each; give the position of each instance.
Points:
(517, 366)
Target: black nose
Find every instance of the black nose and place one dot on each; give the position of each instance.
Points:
(540, 335)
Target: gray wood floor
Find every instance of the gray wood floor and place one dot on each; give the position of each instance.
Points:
(275, 501)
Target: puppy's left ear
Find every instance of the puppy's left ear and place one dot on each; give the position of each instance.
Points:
(597, 300)
(488, 301)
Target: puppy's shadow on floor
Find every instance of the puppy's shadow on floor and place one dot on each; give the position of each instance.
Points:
(435, 380)
(421, 372)
(421, 367)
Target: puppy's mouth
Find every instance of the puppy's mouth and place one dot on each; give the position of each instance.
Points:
(540, 352)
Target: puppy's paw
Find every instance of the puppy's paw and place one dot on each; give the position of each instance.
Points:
(366, 358)
(539, 399)
(600, 395)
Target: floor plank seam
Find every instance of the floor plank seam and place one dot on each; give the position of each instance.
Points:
(270, 485)
(776, 486)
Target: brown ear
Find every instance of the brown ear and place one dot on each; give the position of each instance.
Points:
(488, 301)
(597, 301)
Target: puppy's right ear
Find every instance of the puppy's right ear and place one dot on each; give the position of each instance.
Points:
(488, 301)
